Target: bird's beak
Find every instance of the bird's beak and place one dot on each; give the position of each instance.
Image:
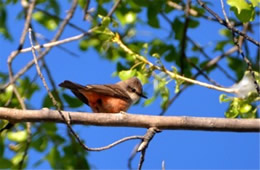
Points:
(142, 95)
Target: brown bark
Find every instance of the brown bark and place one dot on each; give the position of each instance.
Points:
(133, 120)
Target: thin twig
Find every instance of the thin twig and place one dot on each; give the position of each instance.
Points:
(249, 65)
(28, 14)
(130, 159)
(86, 12)
(179, 7)
(13, 55)
(207, 56)
(141, 147)
(70, 52)
(239, 44)
(163, 165)
(113, 8)
(203, 52)
(183, 56)
(141, 161)
(147, 138)
(144, 144)
(61, 19)
(224, 12)
(116, 143)
(53, 84)
(229, 26)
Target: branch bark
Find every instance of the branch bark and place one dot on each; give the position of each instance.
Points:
(133, 120)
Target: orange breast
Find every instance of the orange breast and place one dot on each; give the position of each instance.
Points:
(105, 104)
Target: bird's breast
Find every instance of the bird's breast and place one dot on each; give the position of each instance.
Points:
(106, 104)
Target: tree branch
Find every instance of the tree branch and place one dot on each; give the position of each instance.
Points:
(133, 120)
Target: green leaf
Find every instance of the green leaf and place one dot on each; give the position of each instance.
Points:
(19, 136)
(74, 157)
(130, 17)
(152, 17)
(239, 5)
(47, 102)
(244, 11)
(2, 146)
(233, 63)
(165, 97)
(142, 77)
(178, 27)
(231, 113)
(239, 107)
(156, 55)
(54, 158)
(17, 159)
(51, 23)
(193, 23)
(149, 101)
(3, 28)
(224, 98)
(86, 43)
(27, 88)
(40, 144)
(225, 32)
(126, 18)
(245, 108)
(172, 55)
(233, 110)
(5, 163)
(105, 21)
(255, 3)
(220, 45)
(54, 5)
(251, 114)
(82, 3)
(72, 101)
(120, 67)
(126, 74)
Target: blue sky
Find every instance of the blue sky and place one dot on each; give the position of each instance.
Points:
(179, 149)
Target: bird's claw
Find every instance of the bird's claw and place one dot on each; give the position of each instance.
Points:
(122, 112)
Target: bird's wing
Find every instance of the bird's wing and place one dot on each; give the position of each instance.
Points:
(112, 90)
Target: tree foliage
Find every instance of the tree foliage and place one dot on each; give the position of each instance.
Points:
(176, 51)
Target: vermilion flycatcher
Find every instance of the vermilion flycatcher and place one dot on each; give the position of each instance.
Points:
(108, 98)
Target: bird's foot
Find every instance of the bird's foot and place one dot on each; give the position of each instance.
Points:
(122, 112)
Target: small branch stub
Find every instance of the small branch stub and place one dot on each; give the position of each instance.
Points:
(147, 138)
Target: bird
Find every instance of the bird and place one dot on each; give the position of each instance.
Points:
(108, 98)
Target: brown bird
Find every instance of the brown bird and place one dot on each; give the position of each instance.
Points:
(108, 98)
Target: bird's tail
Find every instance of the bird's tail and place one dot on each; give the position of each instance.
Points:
(76, 89)
(70, 85)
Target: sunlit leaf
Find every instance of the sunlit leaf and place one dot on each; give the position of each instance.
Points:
(51, 23)
(243, 10)
(149, 101)
(17, 159)
(126, 74)
(19, 136)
